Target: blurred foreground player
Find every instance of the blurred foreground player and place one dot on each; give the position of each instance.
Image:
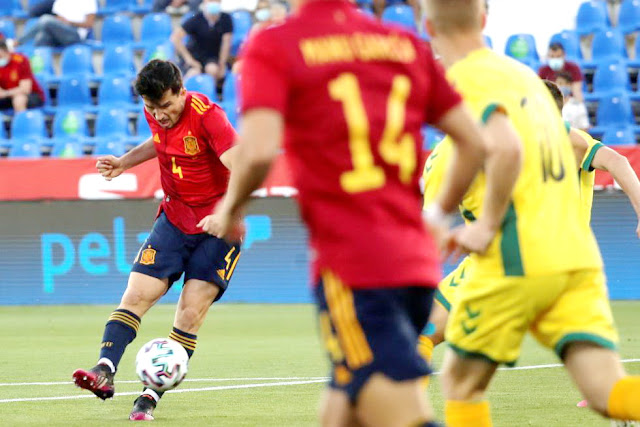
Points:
(542, 271)
(193, 142)
(349, 96)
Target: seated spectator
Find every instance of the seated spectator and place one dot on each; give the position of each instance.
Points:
(557, 62)
(43, 7)
(269, 13)
(176, 7)
(69, 24)
(209, 42)
(574, 111)
(18, 87)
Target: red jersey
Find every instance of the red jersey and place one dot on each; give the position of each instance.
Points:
(193, 178)
(354, 94)
(18, 69)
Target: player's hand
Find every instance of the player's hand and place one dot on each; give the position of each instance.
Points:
(109, 167)
(475, 237)
(223, 225)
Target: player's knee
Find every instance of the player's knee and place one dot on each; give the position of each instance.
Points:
(211, 68)
(459, 387)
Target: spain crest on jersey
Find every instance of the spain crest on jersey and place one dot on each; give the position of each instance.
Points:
(191, 145)
(148, 256)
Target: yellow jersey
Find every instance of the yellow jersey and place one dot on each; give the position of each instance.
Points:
(539, 234)
(587, 175)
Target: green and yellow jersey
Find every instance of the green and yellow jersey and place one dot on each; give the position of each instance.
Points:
(540, 234)
(586, 173)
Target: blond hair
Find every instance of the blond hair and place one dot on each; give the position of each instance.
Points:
(449, 16)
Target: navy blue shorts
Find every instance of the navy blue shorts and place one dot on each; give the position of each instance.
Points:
(168, 252)
(368, 331)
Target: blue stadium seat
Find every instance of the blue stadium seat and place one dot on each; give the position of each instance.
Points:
(230, 87)
(591, 18)
(77, 59)
(613, 110)
(104, 147)
(12, 8)
(522, 47)
(28, 126)
(202, 83)
(159, 51)
(74, 92)
(41, 60)
(70, 125)
(117, 30)
(488, 41)
(112, 122)
(27, 26)
(231, 110)
(116, 92)
(629, 17)
(119, 60)
(619, 136)
(142, 126)
(610, 76)
(115, 6)
(142, 8)
(431, 137)
(607, 44)
(63, 148)
(242, 23)
(156, 28)
(636, 62)
(7, 28)
(570, 41)
(28, 149)
(400, 14)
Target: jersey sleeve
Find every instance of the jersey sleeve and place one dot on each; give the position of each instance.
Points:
(189, 26)
(227, 24)
(593, 147)
(220, 133)
(575, 72)
(23, 68)
(265, 82)
(442, 96)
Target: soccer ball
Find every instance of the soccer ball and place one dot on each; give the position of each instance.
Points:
(161, 364)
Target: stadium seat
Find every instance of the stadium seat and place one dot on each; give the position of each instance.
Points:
(522, 47)
(27, 26)
(115, 6)
(629, 17)
(431, 136)
(619, 136)
(7, 28)
(230, 87)
(77, 60)
(74, 92)
(116, 92)
(158, 51)
(591, 18)
(231, 110)
(155, 28)
(29, 149)
(28, 126)
(118, 60)
(607, 44)
(202, 83)
(142, 126)
(117, 30)
(12, 8)
(104, 147)
(636, 62)
(610, 76)
(142, 8)
(570, 41)
(66, 149)
(613, 110)
(400, 14)
(70, 125)
(41, 60)
(242, 23)
(112, 122)
(488, 41)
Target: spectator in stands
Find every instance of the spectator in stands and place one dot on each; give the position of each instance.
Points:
(209, 44)
(18, 87)
(269, 13)
(70, 23)
(176, 7)
(574, 111)
(557, 62)
(43, 7)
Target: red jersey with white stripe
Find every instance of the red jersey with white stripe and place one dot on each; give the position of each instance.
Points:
(193, 178)
(354, 94)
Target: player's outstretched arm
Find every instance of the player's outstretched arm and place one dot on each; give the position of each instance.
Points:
(111, 166)
(261, 133)
(618, 166)
(502, 168)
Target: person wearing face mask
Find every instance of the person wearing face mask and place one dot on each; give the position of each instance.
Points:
(18, 87)
(557, 62)
(209, 44)
(268, 14)
(574, 111)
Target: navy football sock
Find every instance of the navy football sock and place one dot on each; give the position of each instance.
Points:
(187, 340)
(120, 330)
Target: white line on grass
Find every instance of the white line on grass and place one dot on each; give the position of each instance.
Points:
(186, 390)
(301, 381)
(201, 380)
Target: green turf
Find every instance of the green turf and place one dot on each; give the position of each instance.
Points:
(45, 344)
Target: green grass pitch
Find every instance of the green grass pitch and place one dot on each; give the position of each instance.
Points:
(259, 365)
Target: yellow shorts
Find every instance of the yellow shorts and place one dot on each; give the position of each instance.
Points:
(492, 314)
(448, 287)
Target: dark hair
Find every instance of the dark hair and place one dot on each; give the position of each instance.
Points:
(556, 46)
(3, 44)
(555, 92)
(156, 78)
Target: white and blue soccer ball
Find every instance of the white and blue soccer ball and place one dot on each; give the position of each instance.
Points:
(161, 364)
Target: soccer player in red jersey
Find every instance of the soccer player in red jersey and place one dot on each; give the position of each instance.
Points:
(193, 142)
(349, 96)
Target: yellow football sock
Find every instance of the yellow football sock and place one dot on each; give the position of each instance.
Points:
(425, 348)
(624, 400)
(459, 413)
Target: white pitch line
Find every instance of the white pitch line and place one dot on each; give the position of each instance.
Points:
(187, 390)
(203, 380)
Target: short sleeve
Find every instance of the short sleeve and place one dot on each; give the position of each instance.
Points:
(221, 134)
(190, 25)
(545, 73)
(227, 24)
(442, 97)
(265, 81)
(574, 69)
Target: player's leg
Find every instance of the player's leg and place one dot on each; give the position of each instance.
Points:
(336, 410)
